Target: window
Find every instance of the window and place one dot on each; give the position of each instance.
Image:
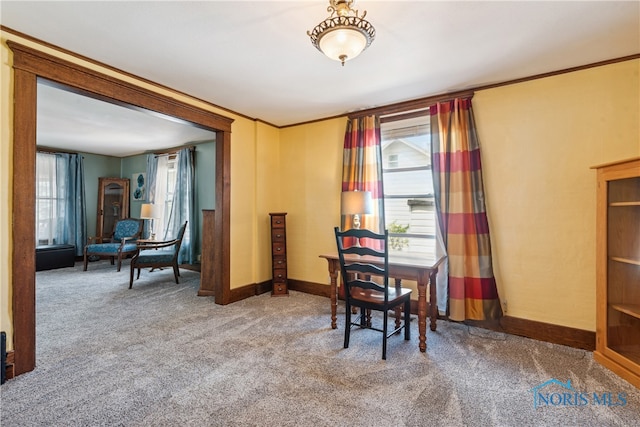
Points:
(165, 189)
(408, 185)
(49, 199)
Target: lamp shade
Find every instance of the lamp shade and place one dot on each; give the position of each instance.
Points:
(344, 34)
(147, 211)
(342, 44)
(356, 202)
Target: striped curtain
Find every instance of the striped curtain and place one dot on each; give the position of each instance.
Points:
(362, 169)
(462, 218)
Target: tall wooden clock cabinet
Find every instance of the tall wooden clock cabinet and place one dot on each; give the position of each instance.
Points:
(113, 204)
(618, 269)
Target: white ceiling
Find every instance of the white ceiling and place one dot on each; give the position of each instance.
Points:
(74, 122)
(254, 57)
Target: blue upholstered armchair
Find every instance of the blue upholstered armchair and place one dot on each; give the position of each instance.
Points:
(122, 243)
(158, 255)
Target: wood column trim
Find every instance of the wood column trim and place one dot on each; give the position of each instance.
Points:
(101, 86)
(23, 262)
(222, 252)
(28, 65)
(207, 263)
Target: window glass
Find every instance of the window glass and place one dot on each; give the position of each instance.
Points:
(48, 199)
(408, 185)
(165, 188)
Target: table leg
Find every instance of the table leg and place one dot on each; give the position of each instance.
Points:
(433, 299)
(333, 291)
(422, 310)
(398, 309)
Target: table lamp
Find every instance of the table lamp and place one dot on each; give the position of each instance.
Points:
(148, 211)
(356, 203)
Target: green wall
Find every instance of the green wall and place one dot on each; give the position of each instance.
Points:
(205, 184)
(96, 166)
(130, 166)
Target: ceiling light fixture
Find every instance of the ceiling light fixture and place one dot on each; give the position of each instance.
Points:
(344, 34)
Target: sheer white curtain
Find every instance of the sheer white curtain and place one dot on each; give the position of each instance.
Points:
(160, 197)
(46, 199)
(60, 200)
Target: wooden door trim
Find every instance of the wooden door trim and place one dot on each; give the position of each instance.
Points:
(28, 65)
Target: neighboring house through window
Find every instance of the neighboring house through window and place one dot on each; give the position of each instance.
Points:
(408, 185)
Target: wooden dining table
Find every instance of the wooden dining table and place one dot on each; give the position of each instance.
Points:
(422, 269)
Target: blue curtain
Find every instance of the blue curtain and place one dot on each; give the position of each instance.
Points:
(183, 206)
(71, 215)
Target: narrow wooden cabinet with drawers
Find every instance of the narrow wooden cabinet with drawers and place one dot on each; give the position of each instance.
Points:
(279, 254)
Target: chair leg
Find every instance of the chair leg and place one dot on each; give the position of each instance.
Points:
(131, 276)
(111, 258)
(176, 272)
(85, 259)
(119, 262)
(138, 273)
(407, 319)
(384, 335)
(347, 325)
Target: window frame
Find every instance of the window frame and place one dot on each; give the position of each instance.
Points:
(426, 198)
(54, 198)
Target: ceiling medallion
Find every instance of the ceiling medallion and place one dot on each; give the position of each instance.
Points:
(344, 34)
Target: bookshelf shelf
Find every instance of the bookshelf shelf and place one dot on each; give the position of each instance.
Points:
(618, 269)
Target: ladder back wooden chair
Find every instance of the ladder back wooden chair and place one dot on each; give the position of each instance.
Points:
(359, 266)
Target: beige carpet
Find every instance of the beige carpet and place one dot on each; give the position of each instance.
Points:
(158, 355)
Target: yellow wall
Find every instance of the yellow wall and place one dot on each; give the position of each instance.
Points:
(311, 162)
(539, 139)
(6, 153)
(268, 185)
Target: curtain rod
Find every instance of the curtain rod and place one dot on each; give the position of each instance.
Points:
(47, 150)
(174, 150)
(406, 106)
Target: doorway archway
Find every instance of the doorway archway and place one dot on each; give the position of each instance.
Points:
(30, 64)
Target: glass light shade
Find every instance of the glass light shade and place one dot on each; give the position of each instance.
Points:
(356, 202)
(342, 44)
